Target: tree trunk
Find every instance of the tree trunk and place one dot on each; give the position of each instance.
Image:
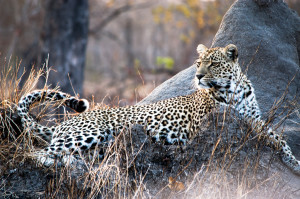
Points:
(128, 31)
(64, 38)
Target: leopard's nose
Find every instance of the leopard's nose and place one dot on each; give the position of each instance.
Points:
(199, 76)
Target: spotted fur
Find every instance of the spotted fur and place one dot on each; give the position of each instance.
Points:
(219, 80)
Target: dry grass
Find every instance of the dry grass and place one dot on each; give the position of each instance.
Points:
(225, 160)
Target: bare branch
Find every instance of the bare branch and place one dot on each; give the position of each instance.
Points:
(116, 13)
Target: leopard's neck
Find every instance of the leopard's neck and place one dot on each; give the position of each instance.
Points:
(239, 94)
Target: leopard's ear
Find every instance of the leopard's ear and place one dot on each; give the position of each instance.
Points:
(231, 52)
(201, 48)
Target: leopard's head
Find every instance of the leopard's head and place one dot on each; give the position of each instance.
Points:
(216, 67)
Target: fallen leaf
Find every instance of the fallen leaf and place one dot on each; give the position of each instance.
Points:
(175, 185)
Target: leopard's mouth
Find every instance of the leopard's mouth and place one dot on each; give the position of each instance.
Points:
(208, 84)
(203, 82)
(213, 84)
(205, 85)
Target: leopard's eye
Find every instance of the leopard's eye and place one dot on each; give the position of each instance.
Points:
(198, 63)
(213, 63)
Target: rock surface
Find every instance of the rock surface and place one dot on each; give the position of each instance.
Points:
(268, 39)
(223, 142)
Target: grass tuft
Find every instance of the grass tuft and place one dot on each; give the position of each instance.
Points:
(224, 160)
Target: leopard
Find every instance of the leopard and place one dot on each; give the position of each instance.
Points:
(219, 81)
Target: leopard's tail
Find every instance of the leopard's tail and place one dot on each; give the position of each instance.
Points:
(28, 123)
(286, 153)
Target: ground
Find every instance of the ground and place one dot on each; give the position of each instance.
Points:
(225, 160)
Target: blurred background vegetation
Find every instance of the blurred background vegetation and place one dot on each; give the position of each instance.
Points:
(109, 50)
